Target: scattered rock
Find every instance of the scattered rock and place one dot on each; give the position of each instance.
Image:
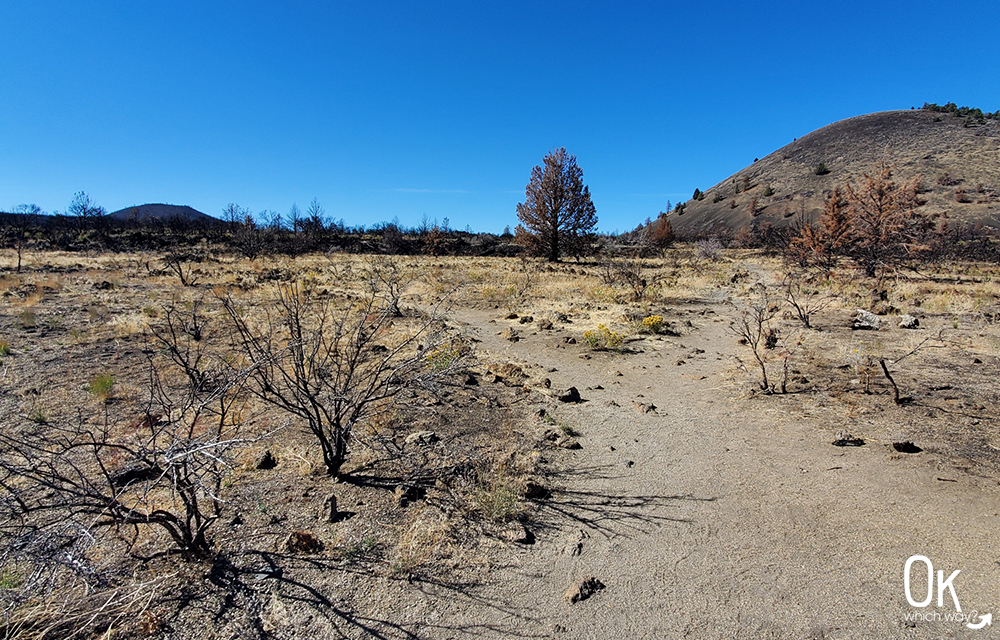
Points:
(906, 447)
(544, 323)
(864, 320)
(585, 356)
(421, 438)
(559, 317)
(329, 512)
(546, 383)
(629, 464)
(405, 495)
(611, 403)
(133, 474)
(566, 442)
(644, 407)
(583, 589)
(569, 340)
(104, 285)
(265, 460)
(551, 435)
(884, 309)
(570, 395)
(470, 380)
(976, 361)
(526, 320)
(535, 491)
(511, 316)
(302, 542)
(908, 322)
(510, 335)
(618, 374)
(845, 439)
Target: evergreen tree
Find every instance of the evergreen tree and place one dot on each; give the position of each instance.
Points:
(557, 216)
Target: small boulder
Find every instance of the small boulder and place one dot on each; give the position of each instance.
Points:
(570, 395)
(265, 460)
(526, 320)
(517, 532)
(405, 495)
(421, 438)
(908, 322)
(583, 589)
(846, 439)
(644, 407)
(470, 380)
(509, 335)
(535, 491)
(566, 442)
(329, 511)
(544, 323)
(864, 320)
(302, 542)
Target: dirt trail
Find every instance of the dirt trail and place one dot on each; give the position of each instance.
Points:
(721, 517)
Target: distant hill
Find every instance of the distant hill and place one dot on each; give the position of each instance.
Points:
(163, 213)
(957, 158)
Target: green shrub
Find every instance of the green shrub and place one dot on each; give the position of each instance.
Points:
(653, 324)
(603, 338)
(101, 385)
(821, 169)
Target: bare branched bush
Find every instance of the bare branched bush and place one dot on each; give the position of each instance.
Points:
(710, 250)
(334, 368)
(162, 471)
(179, 263)
(631, 272)
(804, 297)
(182, 337)
(751, 323)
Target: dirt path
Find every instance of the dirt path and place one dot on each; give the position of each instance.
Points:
(721, 517)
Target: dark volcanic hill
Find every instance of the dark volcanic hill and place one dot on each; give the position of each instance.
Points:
(163, 213)
(957, 159)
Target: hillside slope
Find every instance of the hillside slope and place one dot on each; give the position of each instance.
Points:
(162, 213)
(958, 162)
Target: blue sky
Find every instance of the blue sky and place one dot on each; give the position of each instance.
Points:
(401, 109)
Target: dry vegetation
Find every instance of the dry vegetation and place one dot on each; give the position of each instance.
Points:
(172, 428)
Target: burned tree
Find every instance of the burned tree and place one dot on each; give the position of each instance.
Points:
(557, 216)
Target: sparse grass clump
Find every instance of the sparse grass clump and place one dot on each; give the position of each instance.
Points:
(101, 385)
(603, 338)
(4, 348)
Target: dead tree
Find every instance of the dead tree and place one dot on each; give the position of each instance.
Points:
(164, 470)
(751, 323)
(334, 368)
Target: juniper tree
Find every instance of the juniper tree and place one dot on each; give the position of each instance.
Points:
(557, 216)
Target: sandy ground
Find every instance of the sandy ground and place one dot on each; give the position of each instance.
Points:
(720, 517)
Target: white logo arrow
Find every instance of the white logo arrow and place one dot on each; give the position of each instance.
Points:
(986, 619)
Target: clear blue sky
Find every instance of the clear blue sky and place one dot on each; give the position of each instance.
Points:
(386, 109)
